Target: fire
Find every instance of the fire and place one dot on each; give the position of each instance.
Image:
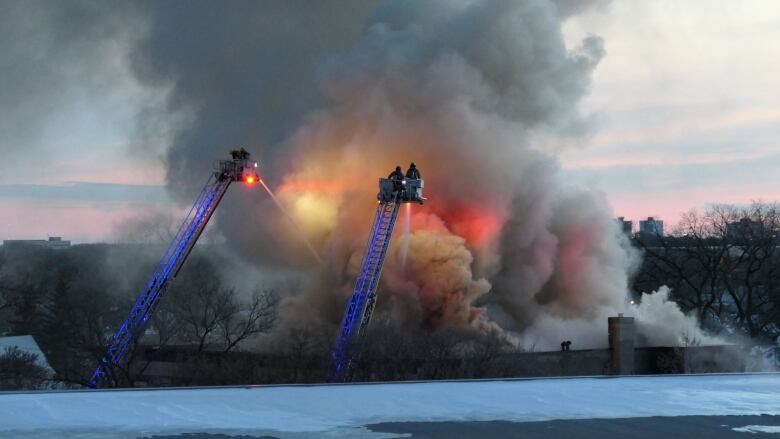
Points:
(477, 224)
(250, 180)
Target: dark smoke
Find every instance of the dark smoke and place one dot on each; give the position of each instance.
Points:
(329, 96)
(331, 101)
(54, 56)
(243, 73)
(240, 74)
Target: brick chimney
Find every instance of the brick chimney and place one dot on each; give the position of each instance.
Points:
(621, 342)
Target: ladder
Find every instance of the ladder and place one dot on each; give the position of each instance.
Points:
(361, 304)
(121, 344)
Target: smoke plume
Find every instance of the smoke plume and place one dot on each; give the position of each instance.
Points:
(58, 59)
(660, 323)
(331, 101)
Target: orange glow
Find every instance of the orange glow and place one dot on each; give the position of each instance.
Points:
(478, 225)
(327, 186)
(250, 180)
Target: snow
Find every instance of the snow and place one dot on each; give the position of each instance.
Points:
(328, 408)
(758, 429)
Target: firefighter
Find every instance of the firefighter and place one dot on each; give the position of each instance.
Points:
(413, 172)
(397, 177)
(239, 154)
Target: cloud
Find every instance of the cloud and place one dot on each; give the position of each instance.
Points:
(55, 56)
(330, 100)
(86, 191)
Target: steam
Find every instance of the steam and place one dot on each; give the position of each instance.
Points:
(660, 323)
(330, 102)
(294, 223)
(407, 223)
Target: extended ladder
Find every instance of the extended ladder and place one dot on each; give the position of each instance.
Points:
(228, 171)
(361, 305)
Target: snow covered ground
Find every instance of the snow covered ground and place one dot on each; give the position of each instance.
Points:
(343, 410)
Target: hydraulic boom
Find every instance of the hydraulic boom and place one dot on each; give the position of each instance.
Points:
(239, 168)
(392, 193)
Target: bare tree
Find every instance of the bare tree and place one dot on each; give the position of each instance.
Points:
(752, 267)
(6, 298)
(20, 370)
(205, 321)
(5, 293)
(75, 313)
(689, 262)
(391, 352)
(724, 264)
(241, 321)
(388, 353)
(483, 354)
(304, 354)
(444, 352)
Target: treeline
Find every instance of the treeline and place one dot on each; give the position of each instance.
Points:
(204, 332)
(302, 354)
(73, 300)
(723, 265)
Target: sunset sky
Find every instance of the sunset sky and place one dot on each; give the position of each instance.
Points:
(686, 106)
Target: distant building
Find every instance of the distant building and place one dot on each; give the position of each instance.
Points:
(627, 226)
(651, 227)
(744, 229)
(54, 242)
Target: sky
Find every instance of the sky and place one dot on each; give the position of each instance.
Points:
(687, 103)
(686, 106)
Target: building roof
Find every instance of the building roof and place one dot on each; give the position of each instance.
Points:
(349, 410)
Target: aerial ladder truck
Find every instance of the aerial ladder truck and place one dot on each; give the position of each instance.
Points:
(239, 168)
(393, 192)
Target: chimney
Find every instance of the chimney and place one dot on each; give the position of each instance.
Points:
(621, 342)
